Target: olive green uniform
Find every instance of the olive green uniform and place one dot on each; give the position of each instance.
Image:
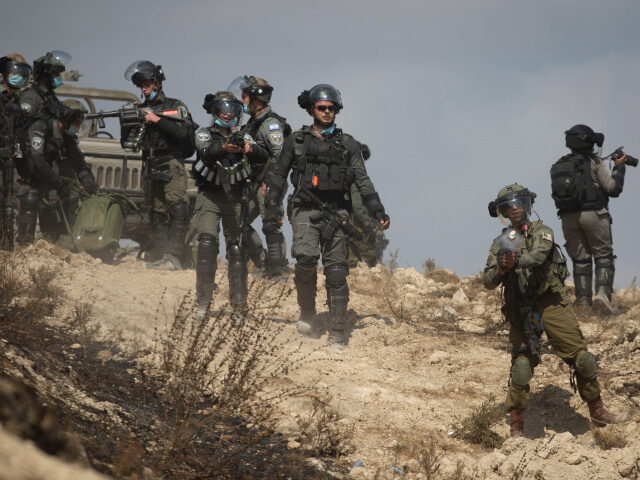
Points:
(366, 225)
(542, 277)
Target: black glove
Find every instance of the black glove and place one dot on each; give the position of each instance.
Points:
(500, 260)
(380, 215)
(274, 213)
(88, 182)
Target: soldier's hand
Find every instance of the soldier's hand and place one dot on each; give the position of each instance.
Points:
(247, 148)
(150, 117)
(509, 260)
(384, 220)
(230, 147)
(620, 159)
(274, 214)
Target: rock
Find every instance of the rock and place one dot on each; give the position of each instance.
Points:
(497, 459)
(478, 310)
(76, 346)
(626, 463)
(103, 356)
(316, 464)
(293, 445)
(573, 459)
(392, 444)
(412, 465)
(450, 311)
(438, 356)
(460, 298)
(470, 327)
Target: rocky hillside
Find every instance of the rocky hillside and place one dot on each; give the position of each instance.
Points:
(109, 368)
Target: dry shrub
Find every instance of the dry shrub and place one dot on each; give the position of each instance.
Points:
(220, 383)
(392, 300)
(607, 438)
(442, 275)
(392, 261)
(476, 427)
(425, 450)
(429, 265)
(322, 432)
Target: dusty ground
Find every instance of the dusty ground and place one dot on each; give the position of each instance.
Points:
(425, 352)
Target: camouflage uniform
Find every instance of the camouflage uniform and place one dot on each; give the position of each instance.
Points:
(546, 293)
(366, 225)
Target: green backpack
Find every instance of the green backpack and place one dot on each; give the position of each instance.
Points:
(98, 225)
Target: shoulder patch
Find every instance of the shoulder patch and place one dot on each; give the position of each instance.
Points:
(203, 136)
(25, 107)
(276, 138)
(274, 126)
(547, 236)
(37, 143)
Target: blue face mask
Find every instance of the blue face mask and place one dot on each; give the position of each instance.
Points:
(16, 81)
(222, 124)
(328, 131)
(153, 95)
(57, 82)
(245, 108)
(71, 131)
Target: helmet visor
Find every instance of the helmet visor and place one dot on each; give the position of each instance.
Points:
(227, 107)
(17, 74)
(58, 57)
(143, 67)
(237, 86)
(513, 202)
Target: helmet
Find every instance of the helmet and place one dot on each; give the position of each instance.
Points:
(255, 87)
(319, 93)
(223, 103)
(52, 64)
(15, 73)
(142, 70)
(582, 137)
(512, 196)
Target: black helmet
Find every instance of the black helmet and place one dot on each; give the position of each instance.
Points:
(255, 87)
(50, 65)
(141, 70)
(319, 93)
(14, 70)
(223, 103)
(582, 137)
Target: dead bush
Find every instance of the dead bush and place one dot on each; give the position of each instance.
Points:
(322, 432)
(425, 451)
(606, 438)
(429, 265)
(442, 275)
(476, 427)
(392, 260)
(221, 383)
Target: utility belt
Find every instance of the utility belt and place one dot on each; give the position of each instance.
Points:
(219, 175)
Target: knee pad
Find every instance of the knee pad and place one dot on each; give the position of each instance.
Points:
(305, 273)
(207, 251)
(179, 213)
(235, 253)
(29, 205)
(582, 267)
(336, 275)
(521, 371)
(269, 227)
(605, 262)
(586, 365)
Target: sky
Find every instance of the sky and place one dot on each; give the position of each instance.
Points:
(456, 99)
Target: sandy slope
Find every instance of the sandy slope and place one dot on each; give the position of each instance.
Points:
(428, 353)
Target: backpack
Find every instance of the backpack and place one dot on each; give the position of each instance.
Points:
(569, 177)
(98, 225)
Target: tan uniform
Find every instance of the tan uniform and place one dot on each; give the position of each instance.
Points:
(542, 277)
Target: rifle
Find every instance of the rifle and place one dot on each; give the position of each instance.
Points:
(517, 307)
(334, 221)
(132, 124)
(9, 151)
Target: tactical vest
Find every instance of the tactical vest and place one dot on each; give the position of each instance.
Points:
(572, 187)
(255, 125)
(323, 166)
(232, 169)
(160, 142)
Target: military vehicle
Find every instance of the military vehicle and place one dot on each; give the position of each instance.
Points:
(115, 169)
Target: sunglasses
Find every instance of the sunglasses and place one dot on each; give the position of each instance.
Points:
(324, 108)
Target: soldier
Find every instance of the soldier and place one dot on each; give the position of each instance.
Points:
(328, 161)
(269, 130)
(535, 263)
(581, 187)
(226, 159)
(50, 141)
(15, 76)
(166, 145)
(366, 225)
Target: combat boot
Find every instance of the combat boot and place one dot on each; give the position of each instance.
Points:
(517, 423)
(306, 277)
(206, 266)
(338, 299)
(600, 416)
(605, 272)
(308, 324)
(602, 303)
(204, 297)
(583, 279)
